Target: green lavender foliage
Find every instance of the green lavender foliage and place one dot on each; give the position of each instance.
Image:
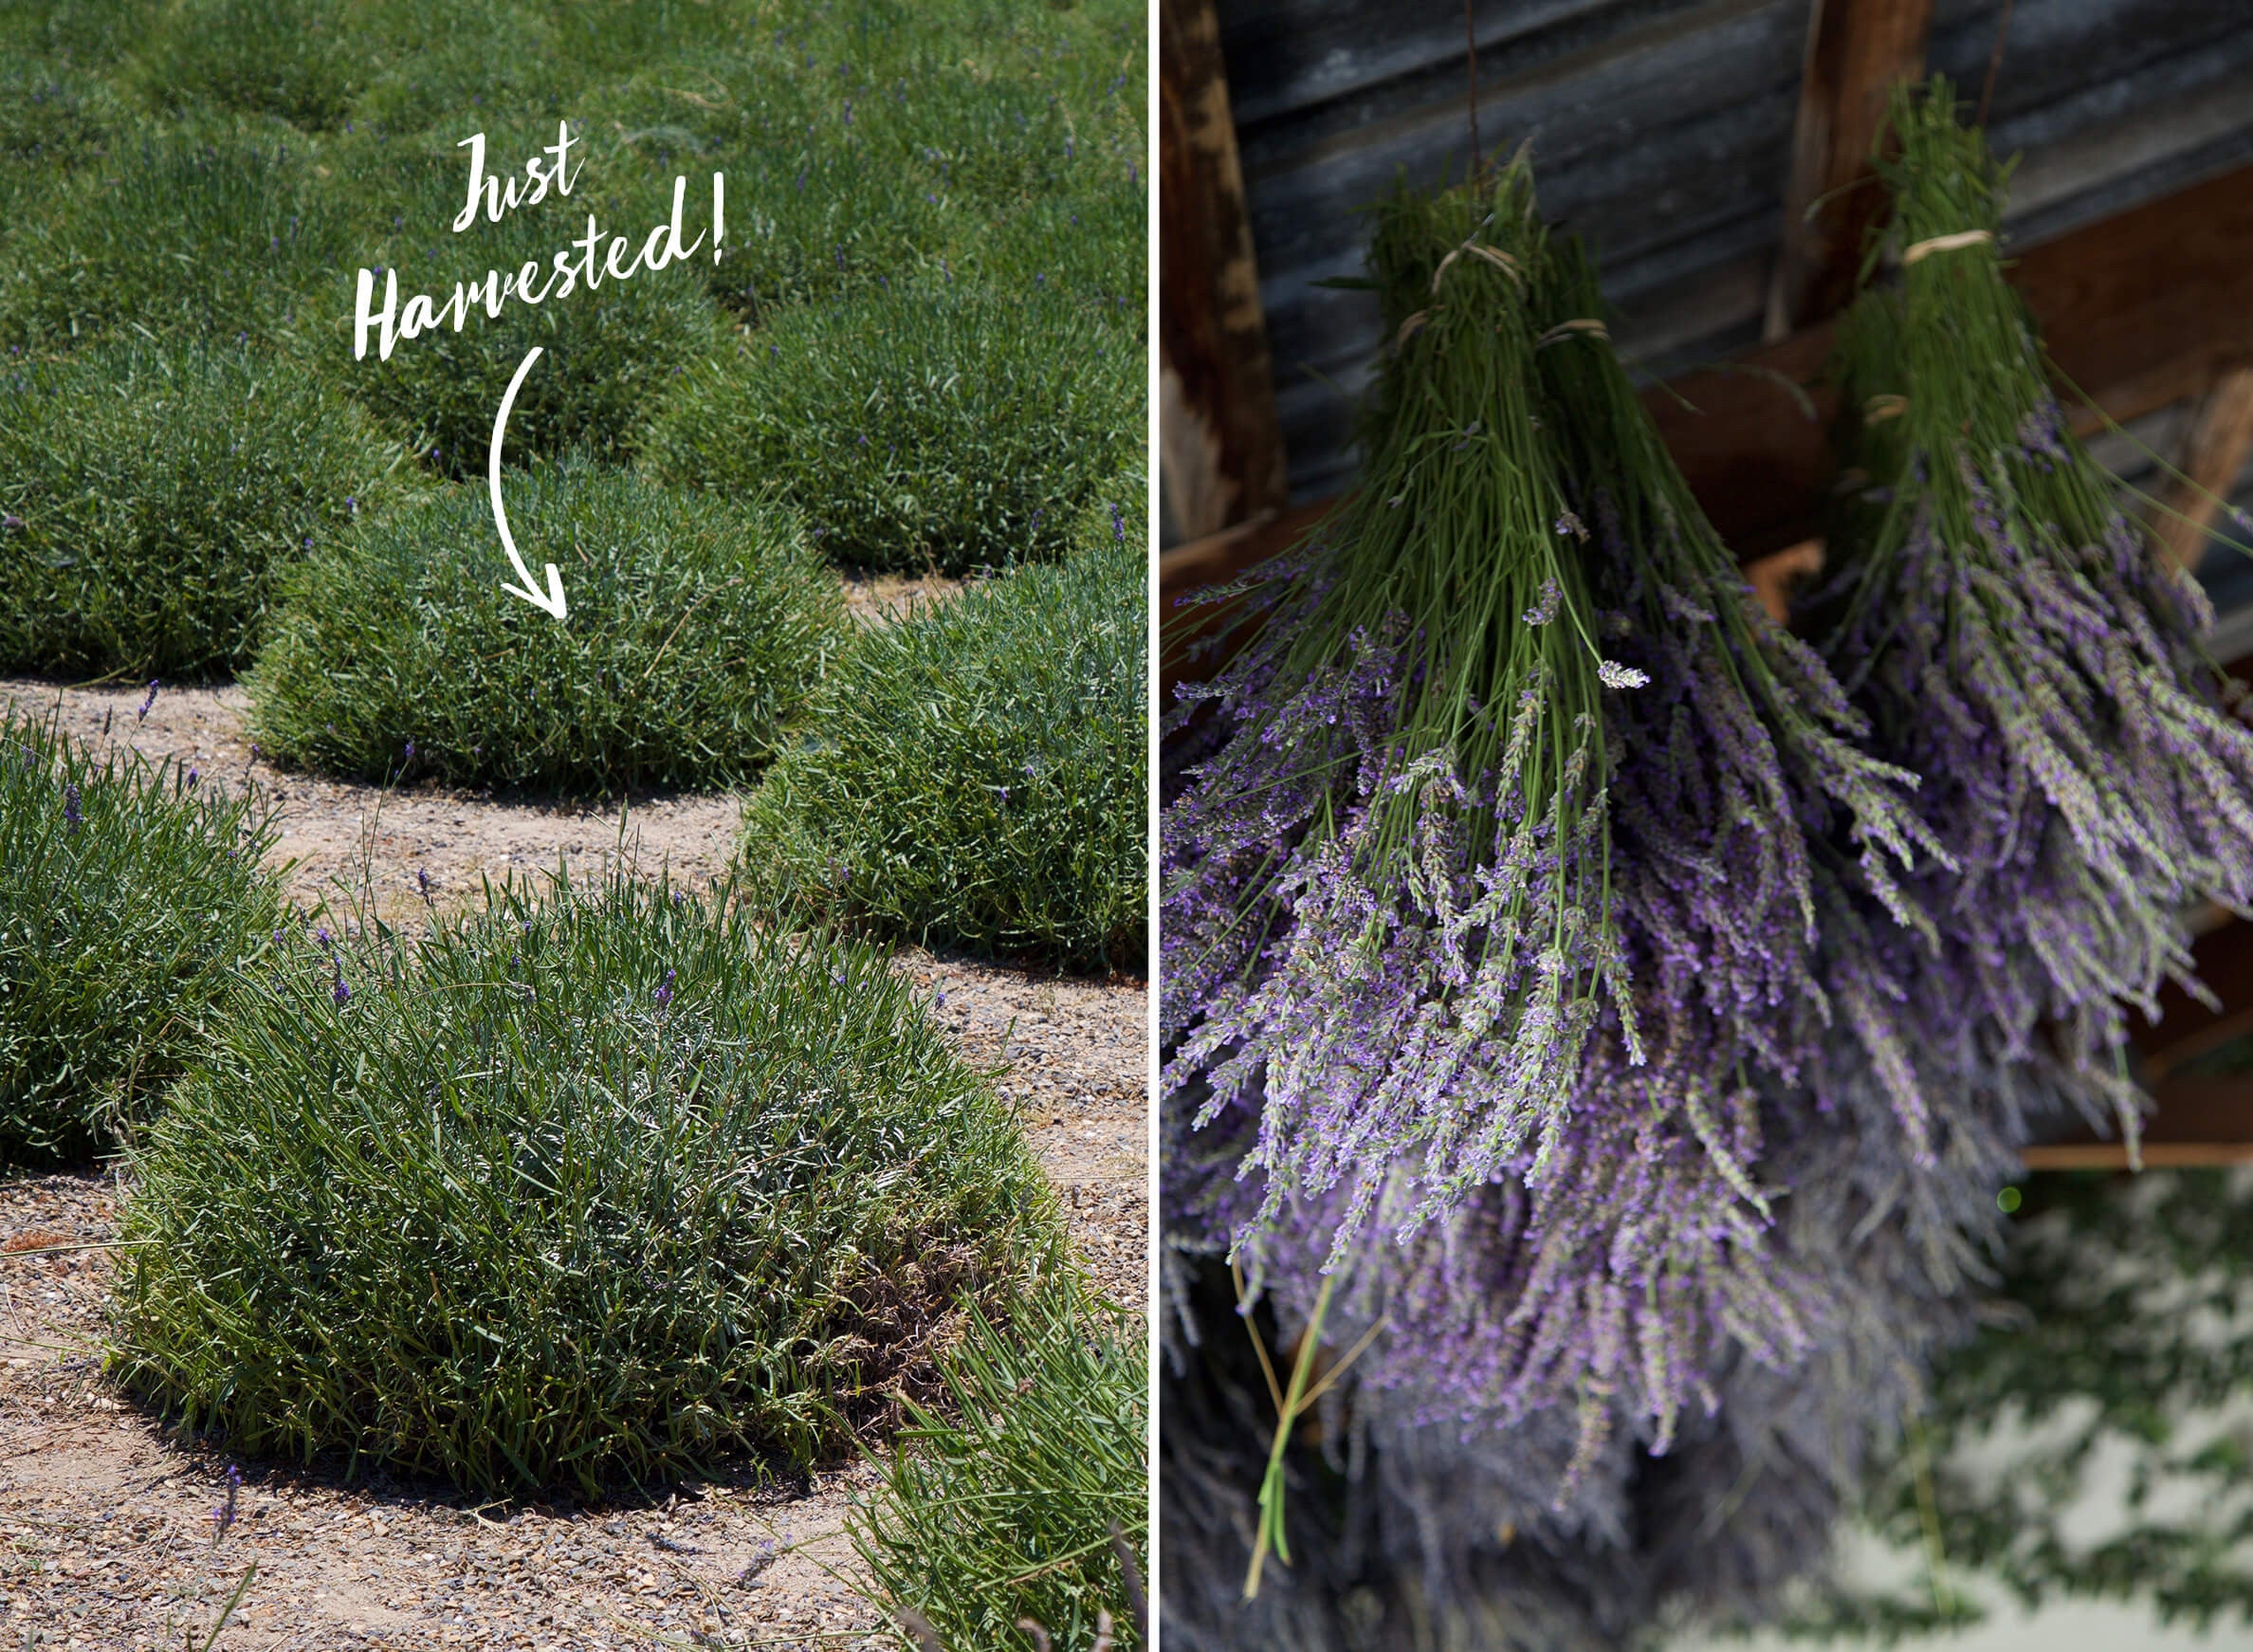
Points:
(130, 893)
(976, 775)
(935, 427)
(54, 114)
(999, 1501)
(2125, 1329)
(890, 142)
(203, 234)
(431, 61)
(150, 498)
(695, 626)
(606, 354)
(92, 33)
(290, 59)
(601, 1185)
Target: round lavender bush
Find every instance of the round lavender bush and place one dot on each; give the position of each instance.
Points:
(695, 626)
(130, 893)
(975, 773)
(596, 1188)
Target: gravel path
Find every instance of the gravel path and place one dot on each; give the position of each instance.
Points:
(106, 1535)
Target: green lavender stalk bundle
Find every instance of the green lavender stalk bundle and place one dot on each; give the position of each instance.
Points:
(1745, 792)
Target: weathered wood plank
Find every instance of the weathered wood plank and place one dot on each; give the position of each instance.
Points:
(1857, 50)
(1222, 449)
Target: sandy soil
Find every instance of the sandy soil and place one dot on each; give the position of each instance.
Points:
(107, 1537)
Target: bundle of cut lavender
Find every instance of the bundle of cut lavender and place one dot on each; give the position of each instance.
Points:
(1393, 896)
(2013, 639)
(1569, 990)
(1389, 895)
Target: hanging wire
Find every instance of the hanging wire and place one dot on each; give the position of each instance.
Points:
(1471, 61)
(1987, 91)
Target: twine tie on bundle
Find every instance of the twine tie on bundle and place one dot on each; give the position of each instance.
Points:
(1584, 326)
(1881, 408)
(1946, 243)
(1501, 261)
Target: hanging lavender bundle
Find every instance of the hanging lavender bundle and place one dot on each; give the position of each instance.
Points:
(1393, 894)
(2016, 642)
(1613, 1263)
(1421, 1533)
(1388, 893)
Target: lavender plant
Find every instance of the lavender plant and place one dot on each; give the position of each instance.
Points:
(599, 1184)
(918, 426)
(697, 627)
(1415, 1526)
(974, 773)
(2013, 639)
(153, 496)
(130, 893)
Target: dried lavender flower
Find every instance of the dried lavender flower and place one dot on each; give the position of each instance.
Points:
(2012, 637)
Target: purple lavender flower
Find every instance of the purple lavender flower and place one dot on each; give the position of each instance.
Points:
(71, 817)
(665, 990)
(223, 1516)
(142, 716)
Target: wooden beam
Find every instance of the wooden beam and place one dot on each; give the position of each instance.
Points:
(2187, 1029)
(2213, 454)
(1857, 50)
(2138, 311)
(1220, 445)
(2199, 1121)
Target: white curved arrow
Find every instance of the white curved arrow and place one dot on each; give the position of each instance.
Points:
(552, 601)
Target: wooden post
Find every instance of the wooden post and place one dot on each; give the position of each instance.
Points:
(2213, 453)
(1857, 50)
(1220, 447)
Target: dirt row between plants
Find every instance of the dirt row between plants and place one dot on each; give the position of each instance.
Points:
(107, 1538)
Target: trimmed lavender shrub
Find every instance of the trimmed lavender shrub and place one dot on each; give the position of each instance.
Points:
(695, 628)
(590, 1189)
(296, 60)
(999, 1505)
(608, 354)
(151, 498)
(176, 233)
(976, 774)
(130, 893)
(939, 428)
